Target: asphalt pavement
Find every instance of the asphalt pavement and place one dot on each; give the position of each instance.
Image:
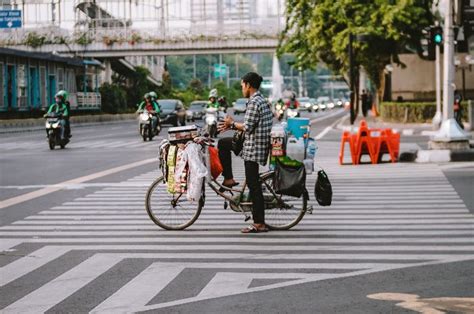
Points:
(75, 236)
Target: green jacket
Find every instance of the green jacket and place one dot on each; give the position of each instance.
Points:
(213, 104)
(59, 108)
(156, 106)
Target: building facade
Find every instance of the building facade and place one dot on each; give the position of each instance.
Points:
(29, 80)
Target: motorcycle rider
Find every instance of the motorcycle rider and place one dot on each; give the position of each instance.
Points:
(154, 99)
(152, 107)
(223, 103)
(279, 105)
(292, 103)
(213, 103)
(60, 107)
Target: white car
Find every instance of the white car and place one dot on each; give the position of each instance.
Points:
(305, 104)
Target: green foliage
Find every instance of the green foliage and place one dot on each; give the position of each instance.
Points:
(114, 98)
(139, 86)
(407, 112)
(318, 30)
(34, 40)
(83, 39)
(196, 86)
(412, 112)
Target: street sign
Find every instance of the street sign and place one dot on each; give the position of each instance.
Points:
(10, 18)
(220, 70)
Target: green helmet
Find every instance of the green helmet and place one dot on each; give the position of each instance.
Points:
(63, 94)
(153, 95)
(147, 95)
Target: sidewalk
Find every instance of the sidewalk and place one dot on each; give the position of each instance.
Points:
(28, 125)
(414, 140)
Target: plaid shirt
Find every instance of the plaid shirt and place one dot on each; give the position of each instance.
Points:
(258, 124)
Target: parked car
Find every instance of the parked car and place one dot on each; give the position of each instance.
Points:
(305, 104)
(240, 105)
(196, 110)
(172, 112)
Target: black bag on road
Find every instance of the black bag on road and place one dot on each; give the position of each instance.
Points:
(289, 180)
(323, 189)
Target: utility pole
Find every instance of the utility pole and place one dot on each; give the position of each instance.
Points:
(351, 76)
(450, 135)
(437, 119)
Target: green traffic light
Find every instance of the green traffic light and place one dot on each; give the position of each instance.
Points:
(438, 38)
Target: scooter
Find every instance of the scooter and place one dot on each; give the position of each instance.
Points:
(54, 127)
(146, 125)
(280, 111)
(292, 113)
(213, 115)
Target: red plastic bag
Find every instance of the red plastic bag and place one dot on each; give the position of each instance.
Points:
(216, 166)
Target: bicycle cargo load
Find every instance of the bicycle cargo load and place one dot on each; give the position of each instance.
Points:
(182, 134)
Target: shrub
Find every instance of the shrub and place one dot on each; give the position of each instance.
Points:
(34, 40)
(411, 112)
(114, 98)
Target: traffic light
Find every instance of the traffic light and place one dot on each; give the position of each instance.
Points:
(436, 35)
(435, 38)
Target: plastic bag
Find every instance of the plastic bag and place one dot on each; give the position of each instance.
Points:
(216, 166)
(197, 171)
(170, 163)
(163, 156)
(181, 171)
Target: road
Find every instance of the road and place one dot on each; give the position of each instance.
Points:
(76, 238)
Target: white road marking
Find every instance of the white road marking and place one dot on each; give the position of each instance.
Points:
(140, 290)
(45, 191)
(58, 289)
(32, 261)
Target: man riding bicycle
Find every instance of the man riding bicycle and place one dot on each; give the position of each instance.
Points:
(257, 126)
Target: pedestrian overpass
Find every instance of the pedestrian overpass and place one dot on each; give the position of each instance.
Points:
(108, 30)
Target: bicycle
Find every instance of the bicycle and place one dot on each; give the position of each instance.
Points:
(175, 212)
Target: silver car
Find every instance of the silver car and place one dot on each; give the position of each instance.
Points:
(240, 105)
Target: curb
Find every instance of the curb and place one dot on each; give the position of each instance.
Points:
(29, 125)
(444, 155)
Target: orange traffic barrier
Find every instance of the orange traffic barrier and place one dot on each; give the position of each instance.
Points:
(364, 144)
(372, 142)
(348, 138)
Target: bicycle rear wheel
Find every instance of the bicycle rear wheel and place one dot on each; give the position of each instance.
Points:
(170, 211)
(283, 214)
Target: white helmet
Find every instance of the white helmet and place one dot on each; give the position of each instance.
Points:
(213, 93)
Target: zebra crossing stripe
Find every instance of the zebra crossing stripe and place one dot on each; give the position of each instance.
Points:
(58, 289)
(140, 290)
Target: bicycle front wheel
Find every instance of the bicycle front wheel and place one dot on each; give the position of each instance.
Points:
(170, 211)
(282, 212)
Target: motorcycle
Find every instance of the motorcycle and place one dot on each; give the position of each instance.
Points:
(212, 117)
(146, 125)
(292, 113)
(280, 111)
(54, 128)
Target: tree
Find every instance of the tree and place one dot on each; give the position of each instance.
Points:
(318, 30)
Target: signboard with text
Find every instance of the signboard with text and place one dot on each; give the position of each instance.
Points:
(220, 70)
(10, 18)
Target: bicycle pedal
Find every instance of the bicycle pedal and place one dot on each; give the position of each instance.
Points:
(247, 218)
(309, 210)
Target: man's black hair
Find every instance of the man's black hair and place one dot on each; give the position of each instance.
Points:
(253, 79)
